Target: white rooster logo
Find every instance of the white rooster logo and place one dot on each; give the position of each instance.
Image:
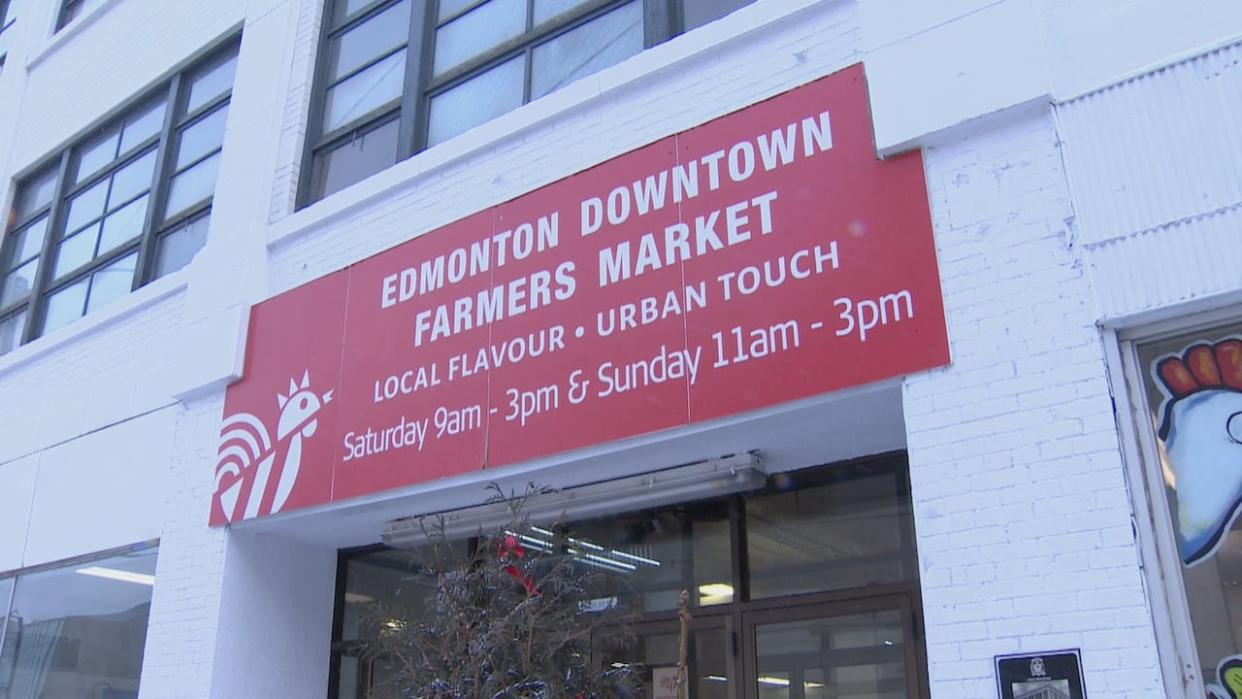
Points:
(244, 441)
(1201, 426)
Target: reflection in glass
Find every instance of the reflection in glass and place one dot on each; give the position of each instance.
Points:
(17, 284)
(10, 337)
(374, 37)
(192, 186)
(448, 8)
(853, 532)
(177, 248)
(477, 31)
(357, 159)
(201, 138)
(73, 631)
(75, 251)
(132, 180)
(142, 126)
(29, 241)
(112, 282)
(65, 306)
(87, 206)
(212, 83)
(859, 655)
(388, 577)
(348, 669)
(653, 556)
(475, 101)
(123, 225)
(96, 154)
(656, 656)
(588, 49)
(346, 8)
(372, 88)
(36, 194)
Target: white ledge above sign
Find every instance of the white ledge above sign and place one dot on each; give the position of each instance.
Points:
(763, 257)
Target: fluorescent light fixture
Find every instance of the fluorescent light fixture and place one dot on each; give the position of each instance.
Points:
(358, 598)
(774, 681)
(725, 475)
(715, 593)
(632, 557)
(717, 678)
(716, 590)
(121, 575)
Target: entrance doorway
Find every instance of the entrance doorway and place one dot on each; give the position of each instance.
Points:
(864, 648)
(807, 589)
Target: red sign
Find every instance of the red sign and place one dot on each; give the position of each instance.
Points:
(760, 258)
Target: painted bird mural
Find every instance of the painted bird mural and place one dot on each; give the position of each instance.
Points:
(1201, 427)
(245, 442)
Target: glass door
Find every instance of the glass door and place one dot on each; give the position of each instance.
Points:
(657, 646)
(862, 649)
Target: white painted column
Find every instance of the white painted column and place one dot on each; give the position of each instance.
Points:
(1021, 507)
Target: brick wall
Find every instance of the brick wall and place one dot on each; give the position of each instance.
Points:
(185, 606)
(1020, 500)
(1020, 503)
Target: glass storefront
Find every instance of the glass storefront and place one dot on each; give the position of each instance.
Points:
(806, 589)
(78, 630)
(1192, 386)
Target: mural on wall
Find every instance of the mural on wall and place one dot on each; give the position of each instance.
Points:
(1228, 679)
(1201, 427)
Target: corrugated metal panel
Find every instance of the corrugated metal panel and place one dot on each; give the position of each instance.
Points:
(1184, 261)
(1157, 149)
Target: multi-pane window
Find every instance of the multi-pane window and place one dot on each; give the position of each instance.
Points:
(128, 203)
(76, 630)
(398, 76)
(72, 9)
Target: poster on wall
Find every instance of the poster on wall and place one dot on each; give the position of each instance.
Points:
(762, 257)
(664, 682)
(1052, 675)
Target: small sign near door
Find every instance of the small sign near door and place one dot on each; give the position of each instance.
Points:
(1052, 675)
(664, 682)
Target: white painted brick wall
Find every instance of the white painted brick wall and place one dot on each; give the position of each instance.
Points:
(185, 607)
(1020, 501)
(1015, 467)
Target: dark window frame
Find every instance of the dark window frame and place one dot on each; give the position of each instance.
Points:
(6, 23)
(662, 20)
(173, 90)
(69, 11)
(731, 616)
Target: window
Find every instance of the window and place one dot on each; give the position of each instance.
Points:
(72, 9)
(70, 631)
(823, 559)
(1192, 388)
(6, 24)
(398, 76)
(126, 204)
